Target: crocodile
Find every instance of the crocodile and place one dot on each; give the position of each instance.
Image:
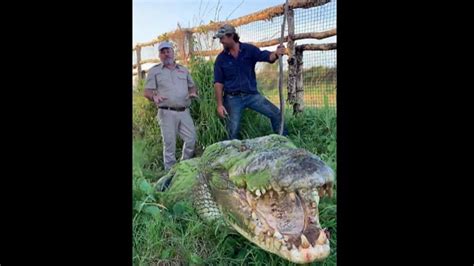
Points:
(265, 188)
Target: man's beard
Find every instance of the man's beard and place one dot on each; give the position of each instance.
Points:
(168, 61)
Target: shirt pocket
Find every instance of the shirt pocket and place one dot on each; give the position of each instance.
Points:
(160, 80)
(248, 60)
(182, 76)
(182, 79)
(230, 70)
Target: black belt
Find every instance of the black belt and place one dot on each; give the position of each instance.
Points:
(236, 93)
(177, 109)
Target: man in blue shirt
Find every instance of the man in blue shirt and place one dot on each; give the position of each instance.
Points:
(235, 83)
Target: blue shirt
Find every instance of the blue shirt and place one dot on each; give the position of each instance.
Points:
(238, 74)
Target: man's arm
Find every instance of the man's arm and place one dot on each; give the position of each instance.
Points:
(273, 58)
(219, 87)
(279, 52)
(192, 90)
(267, 56)
(150, 86)
(152, 95)
(148, 93)
(151, 89)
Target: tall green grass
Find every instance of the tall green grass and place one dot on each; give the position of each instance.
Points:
(174, 234)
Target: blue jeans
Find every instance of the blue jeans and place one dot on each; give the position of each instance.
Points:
(235, 106)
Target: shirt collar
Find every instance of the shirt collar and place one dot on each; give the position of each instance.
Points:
(241, 48)
(176, 65)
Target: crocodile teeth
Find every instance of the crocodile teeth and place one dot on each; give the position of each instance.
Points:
(328, 234)
(263, 191)
(280, 193)
(277, 235)
(329, 191)
(257, 192)
(304, 241)
(315, 196)
(277, 244)
(321, 191)
(316, 219)
(292, 196)
(268, 241)
(254, 215)
(252, 226)
(249, 200)
(271, 193)
(322, 238)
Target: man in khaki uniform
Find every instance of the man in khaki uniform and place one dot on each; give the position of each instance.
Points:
(171, 88)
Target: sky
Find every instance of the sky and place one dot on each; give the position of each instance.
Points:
(154, 17)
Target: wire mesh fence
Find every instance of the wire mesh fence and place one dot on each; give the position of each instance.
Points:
(319, 66)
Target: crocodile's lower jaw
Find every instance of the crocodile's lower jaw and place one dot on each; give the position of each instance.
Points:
(318, 252)
(283, 223)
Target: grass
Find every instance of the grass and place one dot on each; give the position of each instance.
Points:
(174, 235)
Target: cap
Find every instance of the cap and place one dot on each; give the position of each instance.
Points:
(224, 30)
(165, 45)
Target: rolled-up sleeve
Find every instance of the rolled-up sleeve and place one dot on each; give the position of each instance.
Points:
(261, 56)
(218, 73)
(151, 81)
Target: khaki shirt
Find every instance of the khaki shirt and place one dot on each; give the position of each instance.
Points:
(173, 84)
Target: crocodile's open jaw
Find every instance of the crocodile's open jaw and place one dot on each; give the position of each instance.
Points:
(268, 190)
(285, 222)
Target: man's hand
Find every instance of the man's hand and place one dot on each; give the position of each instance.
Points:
(158, 99)
(221, 111)
(192, 95)
(280, 50)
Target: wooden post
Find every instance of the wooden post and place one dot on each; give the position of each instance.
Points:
(317, 47)
(291, 61)
(280, 78)
(181, 49)
(190, 40)
(139, 66)
(299, 105)
(180, 43)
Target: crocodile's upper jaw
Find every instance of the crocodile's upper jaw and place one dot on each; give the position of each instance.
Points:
(285, 223)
